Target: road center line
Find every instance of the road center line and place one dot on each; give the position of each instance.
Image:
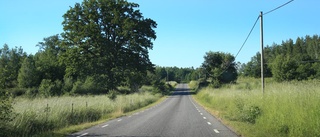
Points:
(209, 123)
(201, 113)
(204, 118)
(216, 130)
(83, 134)
(105, 125)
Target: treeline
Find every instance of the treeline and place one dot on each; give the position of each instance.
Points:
(104, 45)
(180, 75)
(290, 60)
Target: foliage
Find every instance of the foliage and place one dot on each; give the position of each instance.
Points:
(47, 59)
(6, 112)
(175, 74)
(10, 63)
(49, 88)
(288, 61)
(28, 76)
(219, 67)
(104, 38)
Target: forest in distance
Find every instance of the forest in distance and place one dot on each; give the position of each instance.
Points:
(43, 74)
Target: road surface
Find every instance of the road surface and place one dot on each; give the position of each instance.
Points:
(176, 116)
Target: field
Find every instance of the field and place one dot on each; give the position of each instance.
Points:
(40, 115)
(285, 109)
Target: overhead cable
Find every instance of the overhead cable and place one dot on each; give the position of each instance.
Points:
(278, 7)
(245, 41)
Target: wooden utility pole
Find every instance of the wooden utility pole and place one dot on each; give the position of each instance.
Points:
(262, 54)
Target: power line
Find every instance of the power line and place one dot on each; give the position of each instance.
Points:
(278, 7)
(245, 41)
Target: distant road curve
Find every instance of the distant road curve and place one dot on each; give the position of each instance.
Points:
(177, 116)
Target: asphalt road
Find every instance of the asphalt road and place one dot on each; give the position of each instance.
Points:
(176, 116)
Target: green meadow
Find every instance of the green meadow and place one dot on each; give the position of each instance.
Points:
(286, 109)
(55, 115)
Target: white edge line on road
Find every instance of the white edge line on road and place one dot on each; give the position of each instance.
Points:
(216, 130)
(83, 134)
(119, 120)
(105, 125)
(209, 123)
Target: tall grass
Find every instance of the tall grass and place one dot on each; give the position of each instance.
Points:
(46, 114)
(285, 109)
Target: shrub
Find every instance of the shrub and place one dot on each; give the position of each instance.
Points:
(48, 88)
(6, 112)
(17, 91)
(112, 95)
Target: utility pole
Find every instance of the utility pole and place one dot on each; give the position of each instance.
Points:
(262, 54)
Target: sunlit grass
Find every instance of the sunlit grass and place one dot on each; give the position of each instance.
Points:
(285, 109)
(47, 114)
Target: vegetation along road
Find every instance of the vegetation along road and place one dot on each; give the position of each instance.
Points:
(177, 116)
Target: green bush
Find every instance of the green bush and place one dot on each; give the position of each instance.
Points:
(45, 88)
(6, 112)
(17, 91)
(31, 92)
(89, 86)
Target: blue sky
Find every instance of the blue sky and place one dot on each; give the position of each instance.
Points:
(187, 29)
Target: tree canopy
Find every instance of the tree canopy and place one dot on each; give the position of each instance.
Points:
(290, 60)
(107, 39)
(219, 67)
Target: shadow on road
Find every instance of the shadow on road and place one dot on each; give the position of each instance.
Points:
(182, 92)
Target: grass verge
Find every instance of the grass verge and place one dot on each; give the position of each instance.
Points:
(287, 109)
(59, 116)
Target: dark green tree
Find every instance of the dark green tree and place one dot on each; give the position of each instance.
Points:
(104, 39)
(220, 67)
(6, 112)
(284, 68)
(28, 76)
(47, 59)
(10, 63)
(253, 67)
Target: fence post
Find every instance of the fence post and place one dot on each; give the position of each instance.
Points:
(72, 109)
(47, 112)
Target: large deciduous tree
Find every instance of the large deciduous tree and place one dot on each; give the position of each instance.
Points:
(107, 39)
(219, 67)
(47, 59)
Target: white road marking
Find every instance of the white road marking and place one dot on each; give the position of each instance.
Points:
(204, 118)
(130, 116)
(83, 134)
(216, 130)
(201, 113)
(209, 123)
(119, 120)
(105, 125)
